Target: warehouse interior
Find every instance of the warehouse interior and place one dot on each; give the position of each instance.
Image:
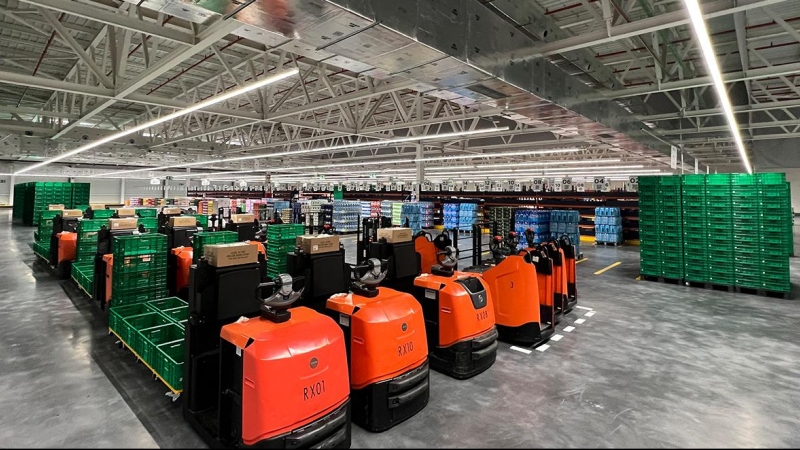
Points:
(582, 210)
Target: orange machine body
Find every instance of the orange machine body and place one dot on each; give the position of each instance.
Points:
(260, 246)
(458, 319)
(515, 291)
(387, 334)
(293, 372)
(427, 253)
(183, 263)
(67, 245)
(561, 276)
(109, 261)
(545, 281)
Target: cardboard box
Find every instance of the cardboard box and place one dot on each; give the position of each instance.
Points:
(97, 205)
(395, 235)
(123, 224)
(171, 211)
(243, 218)
(182, 221)
(126, 212)
(71, 213)
(237, 253)
(322, 243)
(55, 207)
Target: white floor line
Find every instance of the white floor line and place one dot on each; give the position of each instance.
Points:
(556, 337)
(542, 347)
(579, 321)
(590, 314)
(584, 307)
(521, 350)
(569, 329)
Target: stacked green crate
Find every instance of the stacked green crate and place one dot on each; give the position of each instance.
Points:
(150, 224)
(45, 228)
(80, 195)
(281, 239)
(85, 251)
(49, 193)
(649, 226)
(668, 201)
(203, 238)
(775, 231)
(103, 213)
(746, 224)
(695, 237)
(719, 215)
(140, 269)
(147, 213)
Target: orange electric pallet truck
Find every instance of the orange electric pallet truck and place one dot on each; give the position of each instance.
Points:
(514, 289)
(458, 309)
(539, 256)
(64, 241)
(570, 264)
(387, 349)
(257, 373)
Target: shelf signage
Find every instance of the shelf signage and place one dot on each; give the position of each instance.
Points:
(537, 184)
(580, 186)
(632, 185)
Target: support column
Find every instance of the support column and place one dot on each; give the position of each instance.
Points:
(420, 171)
(122, 191)
(11, 190)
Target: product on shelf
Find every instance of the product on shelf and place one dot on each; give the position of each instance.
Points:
(537, 220)
(345, 215)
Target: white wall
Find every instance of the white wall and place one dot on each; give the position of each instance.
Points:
(793, 177)
(103, 190)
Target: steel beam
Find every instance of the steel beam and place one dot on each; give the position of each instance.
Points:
(118, 20)
(660, 22)
(718, 111)
(689, 83)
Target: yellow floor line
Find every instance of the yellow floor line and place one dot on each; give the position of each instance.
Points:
(608, 268)
(581, 260)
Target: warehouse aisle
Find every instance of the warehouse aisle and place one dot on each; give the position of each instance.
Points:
(54, 392)
(649, 365)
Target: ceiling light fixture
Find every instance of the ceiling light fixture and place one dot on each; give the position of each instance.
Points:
(499, 155)
(371, 144)
(699, 25)
(197, 106)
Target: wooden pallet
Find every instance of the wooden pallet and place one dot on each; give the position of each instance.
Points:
(763, 292)
(175, 392)
(661, 279)
(710, 286)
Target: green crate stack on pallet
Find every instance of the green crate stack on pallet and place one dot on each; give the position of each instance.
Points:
(150, 224)
(30, 199)
(80, 195)
(504, 216)
(140, 269)
(203, 238)
(41, 237)
(746, 224)
(719, 217)
(695, 238)
(85, 251)
(154, 330)
(281, 239)
(775, 231)
(649, 220)
(103, 213)
(670, 229)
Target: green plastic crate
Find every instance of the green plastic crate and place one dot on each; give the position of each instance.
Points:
(144, 244)
(130, 325)
(169, 363)
(164, 304)
(103, 213)
(118, 313)
(147, 212)
(139, 280)
(140, 263)
(148, 339)
(718, 179)
(284, 231)
(771, 178)
(126, 297)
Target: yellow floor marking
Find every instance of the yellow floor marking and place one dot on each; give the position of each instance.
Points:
(581, 260)
(608, 268)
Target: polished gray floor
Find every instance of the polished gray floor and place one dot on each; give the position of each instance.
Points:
(654, 365)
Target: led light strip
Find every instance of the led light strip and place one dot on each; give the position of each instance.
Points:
(499, 155)
(371, 144)
(197, 106)
(699, 25)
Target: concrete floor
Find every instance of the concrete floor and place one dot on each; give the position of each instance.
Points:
(657, 365)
